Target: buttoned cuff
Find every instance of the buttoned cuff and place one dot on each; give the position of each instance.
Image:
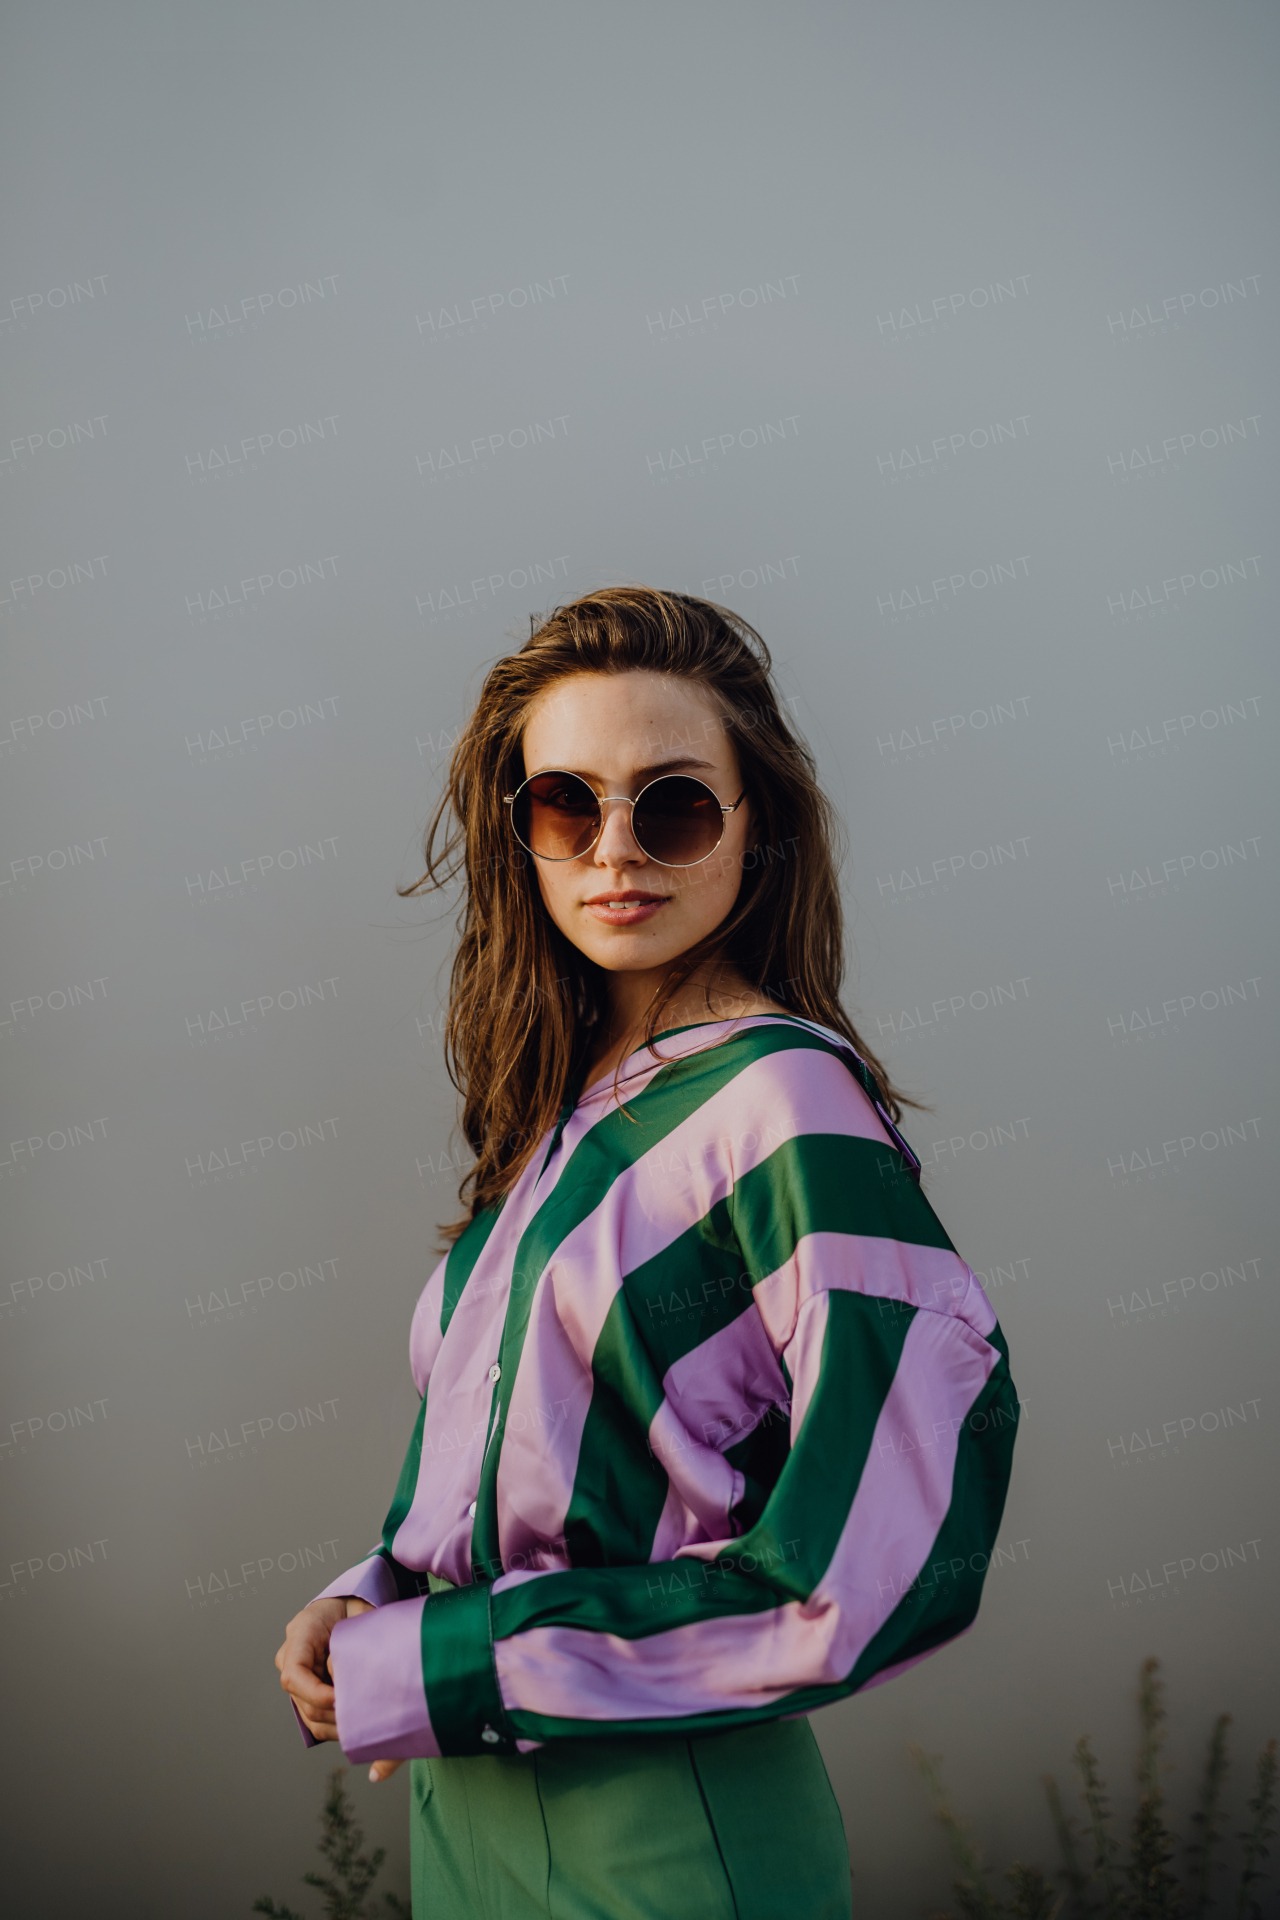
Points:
(459, 1675)
(376, 1663)
(415, 1680)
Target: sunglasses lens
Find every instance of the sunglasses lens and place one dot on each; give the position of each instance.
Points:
(556, 815)
(678, 821)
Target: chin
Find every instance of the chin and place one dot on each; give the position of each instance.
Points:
(628, 954)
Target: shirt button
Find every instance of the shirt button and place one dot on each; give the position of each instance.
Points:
(490, 1738)
(495, 1373)
(472, 1510)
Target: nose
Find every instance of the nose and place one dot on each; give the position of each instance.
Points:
(617, 845)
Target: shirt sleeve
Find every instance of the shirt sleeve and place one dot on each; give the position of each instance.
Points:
(868, 1553)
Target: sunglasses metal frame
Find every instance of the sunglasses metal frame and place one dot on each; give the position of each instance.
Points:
(603, 800)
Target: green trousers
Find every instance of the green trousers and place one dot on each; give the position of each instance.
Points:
(727, 1826)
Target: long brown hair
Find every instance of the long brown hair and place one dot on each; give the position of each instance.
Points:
(523, 1000)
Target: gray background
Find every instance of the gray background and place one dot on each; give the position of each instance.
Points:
(390, 232)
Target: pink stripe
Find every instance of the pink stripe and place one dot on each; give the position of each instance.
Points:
(678, 1181)
(596, 1102)
(437, 1530)
(932, 1278)
(424, 1328)
(705, 1482)
(370, 1580)
(715, 1396)
(552, 1392)
(682, 1177)
(750, 1660)
(903, 1496)
(548, 1409)
(773, 1100)
(566, 1673)
(376, 1662)
(722, 1389)
(641, 1065)
(804, 1357)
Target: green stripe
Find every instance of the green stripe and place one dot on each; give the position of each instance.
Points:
(408, 1583)
(760, 1459)
(814, 1494)
(620, 1487)
(788, 1550)
(463, 1254)
(944, 1599)
(458, 1674)
(406, 1485)
(690, 1289)
(809, 1508)
(812, 1183)
(632, 1602)
(829, 1183)
(613, 1145)
(815, 1183)
(939, 1606)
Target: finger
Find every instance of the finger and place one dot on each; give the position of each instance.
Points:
(308, 1639)
(383, 1769)
(296, 1675)
(306, 1689)
(299, 1647)
(318, 1709)
(305, 1655)
(317, 1717)
(321, 1716)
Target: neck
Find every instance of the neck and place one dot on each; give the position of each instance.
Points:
(712, 993)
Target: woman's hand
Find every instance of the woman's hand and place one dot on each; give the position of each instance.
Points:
(303, 1663)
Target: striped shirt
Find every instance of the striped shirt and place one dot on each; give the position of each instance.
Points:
(716, 1425)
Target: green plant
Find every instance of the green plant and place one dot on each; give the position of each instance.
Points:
(975, 1898)
(1106, 1851)
(1074, 1874)
(352, 1872)
(1153, 1889)
(1208, 1835)
(1033, 1897)
(1255, 1837)
(1099, 1882)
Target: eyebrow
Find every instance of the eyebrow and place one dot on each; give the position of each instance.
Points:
(642, 774)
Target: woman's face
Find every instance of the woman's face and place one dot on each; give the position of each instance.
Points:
(619, 731)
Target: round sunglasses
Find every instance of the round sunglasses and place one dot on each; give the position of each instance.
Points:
(675, 820)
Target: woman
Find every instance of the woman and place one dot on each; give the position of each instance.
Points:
(716, 1425)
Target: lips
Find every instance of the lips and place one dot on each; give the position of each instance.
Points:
(640, 894)
(627, 908)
